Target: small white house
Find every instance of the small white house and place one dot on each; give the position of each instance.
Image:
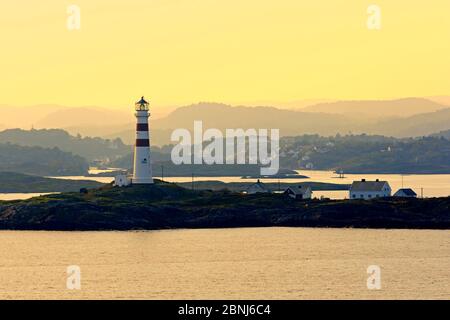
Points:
(257, 187)
(122, 180)
(405, 193)
(370, 189)
(299, 192)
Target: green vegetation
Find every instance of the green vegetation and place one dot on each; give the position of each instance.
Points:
(367, 154)
(167, 206)
(40, 161)
(351, 153)
(11, 182)
(86, 147)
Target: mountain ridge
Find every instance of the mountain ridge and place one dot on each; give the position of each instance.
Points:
(378, 108)
(419, 116)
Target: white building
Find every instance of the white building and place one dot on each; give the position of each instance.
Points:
(405, 193)
(309, 166)
(142, 172)
(257, 187)
(122, 180)
(299, 192)
(370, 189)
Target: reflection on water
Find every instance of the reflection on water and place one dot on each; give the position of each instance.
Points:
(260, 263)
(21, 196)
(98, 179)
(95, 170)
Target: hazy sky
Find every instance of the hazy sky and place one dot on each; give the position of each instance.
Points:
(233, 51)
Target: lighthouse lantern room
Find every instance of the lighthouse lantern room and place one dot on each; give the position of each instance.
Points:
(142, 173)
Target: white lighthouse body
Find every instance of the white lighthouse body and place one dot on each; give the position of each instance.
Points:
(142, 173)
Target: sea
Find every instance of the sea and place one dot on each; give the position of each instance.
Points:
(243, 263)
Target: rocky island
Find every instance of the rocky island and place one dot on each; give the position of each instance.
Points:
(169, 206)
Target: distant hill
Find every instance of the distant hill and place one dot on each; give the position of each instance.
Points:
(444, 100)
(85, 116)
(401, 118)
(366, 154)
(95, 121)
(292, 123)
(40, 161)
(89, 148)
(25, 116)
(90, 120)
(299, 104)
(11, 182)
(378, 109)
(222, 116)
(87, 121)
(444, 134)
(414, 126)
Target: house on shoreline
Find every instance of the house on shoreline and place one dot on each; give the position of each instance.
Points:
(370, 189)
(257, 187)
(299, 192)
(405, 193)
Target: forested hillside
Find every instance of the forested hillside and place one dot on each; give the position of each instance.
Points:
(367, 154)
(89, 148)
(41, 161)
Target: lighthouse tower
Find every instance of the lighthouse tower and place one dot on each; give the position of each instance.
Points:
(142, 173)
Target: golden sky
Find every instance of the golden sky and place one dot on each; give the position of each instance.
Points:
(233, 51)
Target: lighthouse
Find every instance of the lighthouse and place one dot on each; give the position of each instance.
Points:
(142, 173)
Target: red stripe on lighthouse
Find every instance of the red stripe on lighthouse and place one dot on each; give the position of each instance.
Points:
(142, 127)
(142, 143)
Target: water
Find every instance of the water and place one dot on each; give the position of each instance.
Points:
(434, 185)
(430, 185)
(20, 196)
(260, 263)
(95, 170)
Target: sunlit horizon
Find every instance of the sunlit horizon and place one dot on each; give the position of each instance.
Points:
(180, 52)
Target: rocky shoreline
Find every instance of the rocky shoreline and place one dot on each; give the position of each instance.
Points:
(168, 206)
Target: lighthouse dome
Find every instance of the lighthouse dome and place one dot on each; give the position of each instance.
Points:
(142, 105)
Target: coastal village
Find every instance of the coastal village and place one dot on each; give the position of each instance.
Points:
(364, 189)
(142, 171)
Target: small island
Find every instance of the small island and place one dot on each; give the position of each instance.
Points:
(12, 182)
(165, 205)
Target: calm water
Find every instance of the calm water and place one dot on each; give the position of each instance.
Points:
(434, 185)
(261, 263)
(20, 196)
